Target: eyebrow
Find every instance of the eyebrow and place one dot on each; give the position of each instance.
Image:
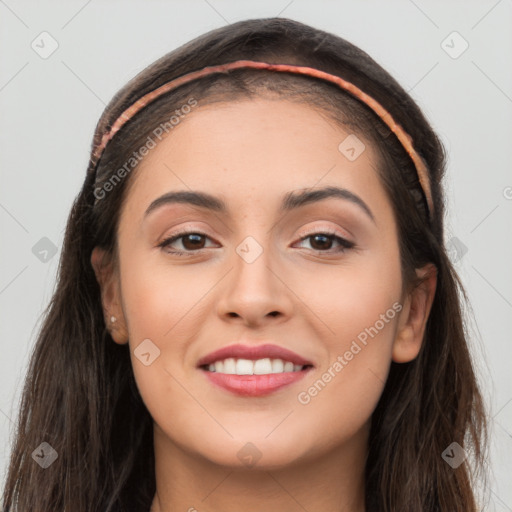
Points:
(291, 200)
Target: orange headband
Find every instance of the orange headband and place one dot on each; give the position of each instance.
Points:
(402, 136)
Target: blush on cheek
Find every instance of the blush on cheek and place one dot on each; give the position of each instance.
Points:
(358, 365)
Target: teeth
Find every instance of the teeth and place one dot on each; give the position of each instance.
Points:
(288, 367)
(230, 366)
(244, 367)
(277, 366)
(264, 366)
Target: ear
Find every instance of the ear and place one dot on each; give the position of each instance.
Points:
(414, 316)
(108, 280)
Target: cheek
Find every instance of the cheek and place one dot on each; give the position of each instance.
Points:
(158, 305)
(339, 398)
(159, 299)
(360, 307)
(353, 299)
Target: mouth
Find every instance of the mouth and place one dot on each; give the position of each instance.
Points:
(254, 371)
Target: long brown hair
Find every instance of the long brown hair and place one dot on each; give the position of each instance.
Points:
(80, 395)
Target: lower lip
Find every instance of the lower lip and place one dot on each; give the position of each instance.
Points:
(255, 385)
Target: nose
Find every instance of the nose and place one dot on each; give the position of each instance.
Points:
(256, 292)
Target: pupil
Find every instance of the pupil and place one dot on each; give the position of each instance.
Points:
(324, 237)
(196, 240)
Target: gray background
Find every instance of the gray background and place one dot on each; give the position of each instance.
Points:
(50, 106)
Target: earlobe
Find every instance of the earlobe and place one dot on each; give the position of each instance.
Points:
(414, 316)
(110, 295)
(117, 329)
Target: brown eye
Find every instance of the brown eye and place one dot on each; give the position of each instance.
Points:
(190, 241)
(193, 241)
(323, 242)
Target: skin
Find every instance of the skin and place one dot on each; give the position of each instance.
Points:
(250, 153)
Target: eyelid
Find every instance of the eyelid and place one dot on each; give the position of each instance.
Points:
(328, 231)
(182, 233)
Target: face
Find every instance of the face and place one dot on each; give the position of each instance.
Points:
(316, 278)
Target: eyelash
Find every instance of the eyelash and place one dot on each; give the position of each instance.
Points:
(345, 244)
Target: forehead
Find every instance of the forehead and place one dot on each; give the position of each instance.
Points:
(257, 148)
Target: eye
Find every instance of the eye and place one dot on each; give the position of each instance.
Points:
(322, 242)
(192, 241)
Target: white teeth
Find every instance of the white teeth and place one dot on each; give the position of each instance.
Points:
(264, 366)
(277, 366)
(244, 367)
(230, 366)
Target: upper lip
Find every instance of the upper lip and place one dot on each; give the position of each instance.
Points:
(253, 352)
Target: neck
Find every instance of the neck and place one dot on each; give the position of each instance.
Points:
(333, 481)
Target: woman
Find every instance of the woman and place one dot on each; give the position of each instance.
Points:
(254, 308)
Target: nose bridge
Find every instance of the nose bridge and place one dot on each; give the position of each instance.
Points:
(255, 288)
(253, 261)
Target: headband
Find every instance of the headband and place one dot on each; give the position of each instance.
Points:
(386, 117)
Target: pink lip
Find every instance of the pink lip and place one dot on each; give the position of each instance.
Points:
(253, 353)
(255, 385)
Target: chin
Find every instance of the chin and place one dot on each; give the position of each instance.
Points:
(255, 453)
